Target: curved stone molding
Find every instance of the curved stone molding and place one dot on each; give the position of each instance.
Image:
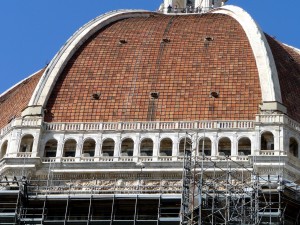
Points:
(56, 66)
(268, 75)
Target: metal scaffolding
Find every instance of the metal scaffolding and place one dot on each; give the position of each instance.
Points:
(151, 202)
(223, 192)
(218, 192)
(228, 192)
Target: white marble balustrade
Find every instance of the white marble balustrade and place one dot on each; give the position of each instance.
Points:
(24, 154)
(261, 118)
(150, 125)
(141, 159)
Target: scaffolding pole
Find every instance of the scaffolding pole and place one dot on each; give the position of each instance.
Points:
(223, 191)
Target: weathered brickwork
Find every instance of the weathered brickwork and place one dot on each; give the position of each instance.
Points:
(184, 58)
(13, 102)
(288, 66)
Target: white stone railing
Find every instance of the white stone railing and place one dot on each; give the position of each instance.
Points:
(68, 159)
(31, 122)
(87, 159)
(165, 158)
(270, 118)
(280, 118)
(24, 154)
(54, 126)
(6, 129)
(261, 118)
(106, 159)
(73, 126)
(150, 125)
(292, 123)
(109, 126)
(140, 159)
(242, 158)
(270, 153)
(126, 158)
(48, 160)
(223, 158)
(247, 124)
(148, 158)
(156, 159)
(180, 158)
(91, 126)
(145, 158)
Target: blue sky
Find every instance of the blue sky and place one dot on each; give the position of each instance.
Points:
(32, 31)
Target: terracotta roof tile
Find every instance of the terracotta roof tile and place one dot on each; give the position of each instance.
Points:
(288, 66)
(16, 99)
(183, 58)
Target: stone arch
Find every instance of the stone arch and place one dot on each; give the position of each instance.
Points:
(26, 143)
(224, 146)
(70, 146)
(206, 144)
(165, 147)
(50, 149)
(244, 146)
(267, 141)
(108, 147)
(127, 146)
(3, 150)
(294, 147)
(185, 144)
(146, 147)
(88, 148)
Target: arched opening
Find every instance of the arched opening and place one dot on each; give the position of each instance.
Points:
(50, 148)
(108, 147)
(165, 148)
(146, 148)
(26, 143)
(190, 5)
(127, 147)
(3, 150)
(89, 147)
(293, 147)
(205, 143)
(70, 148)
(267, 141)
(244, 146)
(224, 147)
(185, 144)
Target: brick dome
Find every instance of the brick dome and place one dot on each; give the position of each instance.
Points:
(181, 58)
(144, 66)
